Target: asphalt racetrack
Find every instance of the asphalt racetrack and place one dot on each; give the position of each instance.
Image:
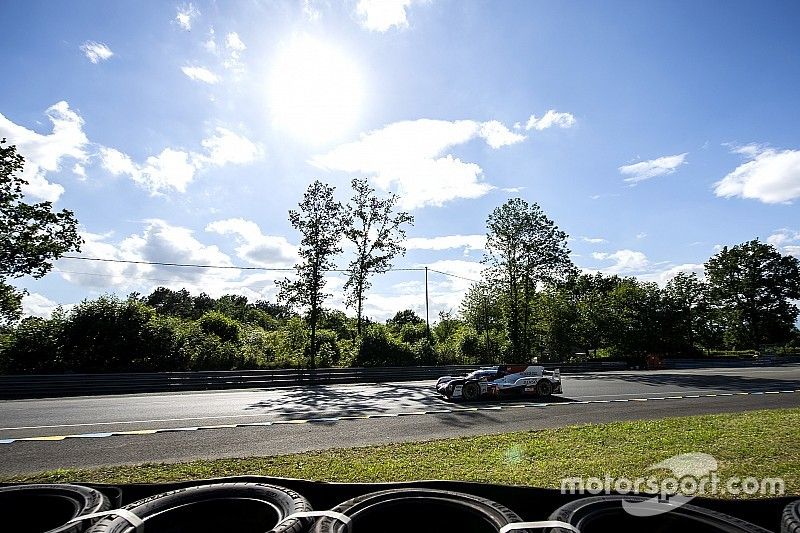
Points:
(44, 434)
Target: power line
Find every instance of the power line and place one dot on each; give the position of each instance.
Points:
(177, 280)
(235, 267)
(191, 265)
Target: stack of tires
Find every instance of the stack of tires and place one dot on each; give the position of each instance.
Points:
(262, 507)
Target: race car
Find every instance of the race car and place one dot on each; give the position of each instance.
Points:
(503, 380)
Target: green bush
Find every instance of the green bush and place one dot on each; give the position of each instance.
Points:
(35, 346)
(224, 327)
(379, 348)
(109, 335)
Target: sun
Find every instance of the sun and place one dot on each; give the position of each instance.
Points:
(316, 91)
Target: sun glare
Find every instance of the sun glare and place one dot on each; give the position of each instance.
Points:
(316, 91)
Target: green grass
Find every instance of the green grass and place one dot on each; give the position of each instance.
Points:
(757, 443)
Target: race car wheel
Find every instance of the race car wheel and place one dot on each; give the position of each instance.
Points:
(471, 391)
(605, 513)
(544, 388)
(418, 509)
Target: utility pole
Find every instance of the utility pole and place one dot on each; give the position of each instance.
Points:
(427, 315)
(486, 323)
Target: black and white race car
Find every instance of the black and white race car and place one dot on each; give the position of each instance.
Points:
(503, 380)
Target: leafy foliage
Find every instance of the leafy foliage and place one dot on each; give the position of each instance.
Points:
(377, 233)
(32, 236)
(320, 224)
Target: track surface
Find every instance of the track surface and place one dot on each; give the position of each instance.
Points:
(103, 430)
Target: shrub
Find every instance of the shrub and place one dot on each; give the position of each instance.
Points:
(108, 335)
(34, 346)
(379, 348)
(224, 327)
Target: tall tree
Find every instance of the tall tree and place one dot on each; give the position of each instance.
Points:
(320, 224)
(686, 296)
(32, 236)
(377, 232)
(523, 249)
(755, 285)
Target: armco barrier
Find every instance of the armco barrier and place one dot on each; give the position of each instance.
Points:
(60, 385)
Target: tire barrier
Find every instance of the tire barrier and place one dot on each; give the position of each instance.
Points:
(790, 519)
(403, 510)
(51, 508)
(598, 514)
(280, 505)
(239, 507)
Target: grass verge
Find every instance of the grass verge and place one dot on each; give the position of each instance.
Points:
(757, 443)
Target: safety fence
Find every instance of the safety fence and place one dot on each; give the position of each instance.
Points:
(60, 385)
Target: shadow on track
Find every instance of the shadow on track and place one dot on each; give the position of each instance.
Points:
(724, 382)
(332, 400)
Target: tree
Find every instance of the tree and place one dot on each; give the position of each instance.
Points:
(406, 316)
(524, 249)
(754, 283)
(32, 236)
(686, 295)
(377, 233)
(320, 224)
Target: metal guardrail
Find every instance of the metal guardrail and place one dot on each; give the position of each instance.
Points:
(730, 362)
(61, 385)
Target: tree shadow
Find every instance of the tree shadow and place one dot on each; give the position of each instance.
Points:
(723, 382)
(332, 400)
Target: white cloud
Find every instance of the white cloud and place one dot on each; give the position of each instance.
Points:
(786, 241)
(116, 162)
(636, 264)
(200, 74)
(44, 153)
(175, 169)
(594, 240)
(254, 246)
(446, 242)
(663, 276)
(498, 135)
(770, 176)
(625, 261)
(310, 11)
(96, 52)
(158, 242)
(228, 147)
(641, 235)
(783, 236)
(35, 304)
(211, 43)
(234, 47)
(79, 170)
(409, 157)
(382, 15)
(550, 119)
(185, 15)
(645, 170)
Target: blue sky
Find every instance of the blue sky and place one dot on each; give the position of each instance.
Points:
(651, 132)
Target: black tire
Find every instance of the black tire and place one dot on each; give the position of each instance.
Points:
(471, 391)
(47, 508)
(544, 388)
(790, 520)
(410, 509)
(240, 507)
(605, 513)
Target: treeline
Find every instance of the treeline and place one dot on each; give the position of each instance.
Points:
(174, 330)
(531, 303)
(535, 301)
